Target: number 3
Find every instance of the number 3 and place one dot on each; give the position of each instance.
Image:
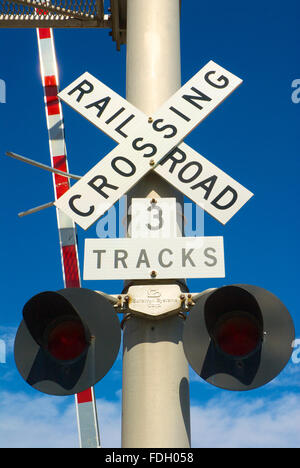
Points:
(157, 216)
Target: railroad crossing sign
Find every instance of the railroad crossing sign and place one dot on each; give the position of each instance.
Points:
(151, 143)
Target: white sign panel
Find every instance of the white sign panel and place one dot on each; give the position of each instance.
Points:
(101, 106)
(203, 183)
(209, 187)
(182, 257)
(141, 151)
(155, 219)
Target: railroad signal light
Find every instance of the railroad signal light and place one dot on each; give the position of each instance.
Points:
(67, 341)
(238, 337)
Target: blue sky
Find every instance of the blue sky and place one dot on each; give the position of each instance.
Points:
(253, 136)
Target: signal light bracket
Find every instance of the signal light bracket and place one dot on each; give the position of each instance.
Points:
(156, 301)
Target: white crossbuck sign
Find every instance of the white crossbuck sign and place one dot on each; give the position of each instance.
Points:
(152, 143)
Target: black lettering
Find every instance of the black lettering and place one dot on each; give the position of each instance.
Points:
(119, 170)
(164, 265)
(101, 107)
(118, 129)
(157, 216)
(210, 256)
(207, 185)
(182, 158)
(221, 79)
(115, 115)
(164, 127)
(81, 89)
(143, 259)
(142, 147)
(99, 252)
(187, 256)
(230, 203)
(73, 208)
(120, 256)
(201, 97)
(104, 183)
(176, 111)
(193, 177)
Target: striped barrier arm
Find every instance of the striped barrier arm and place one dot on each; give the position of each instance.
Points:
(85, 401)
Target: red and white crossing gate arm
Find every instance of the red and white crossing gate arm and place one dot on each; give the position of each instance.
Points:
(85, 401)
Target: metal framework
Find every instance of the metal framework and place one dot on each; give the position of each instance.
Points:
(66, 14)
(59, 13)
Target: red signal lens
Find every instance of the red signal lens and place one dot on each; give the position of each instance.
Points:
(238, 334)
(67, 340)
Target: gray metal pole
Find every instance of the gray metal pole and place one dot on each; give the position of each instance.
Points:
(156, 408)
